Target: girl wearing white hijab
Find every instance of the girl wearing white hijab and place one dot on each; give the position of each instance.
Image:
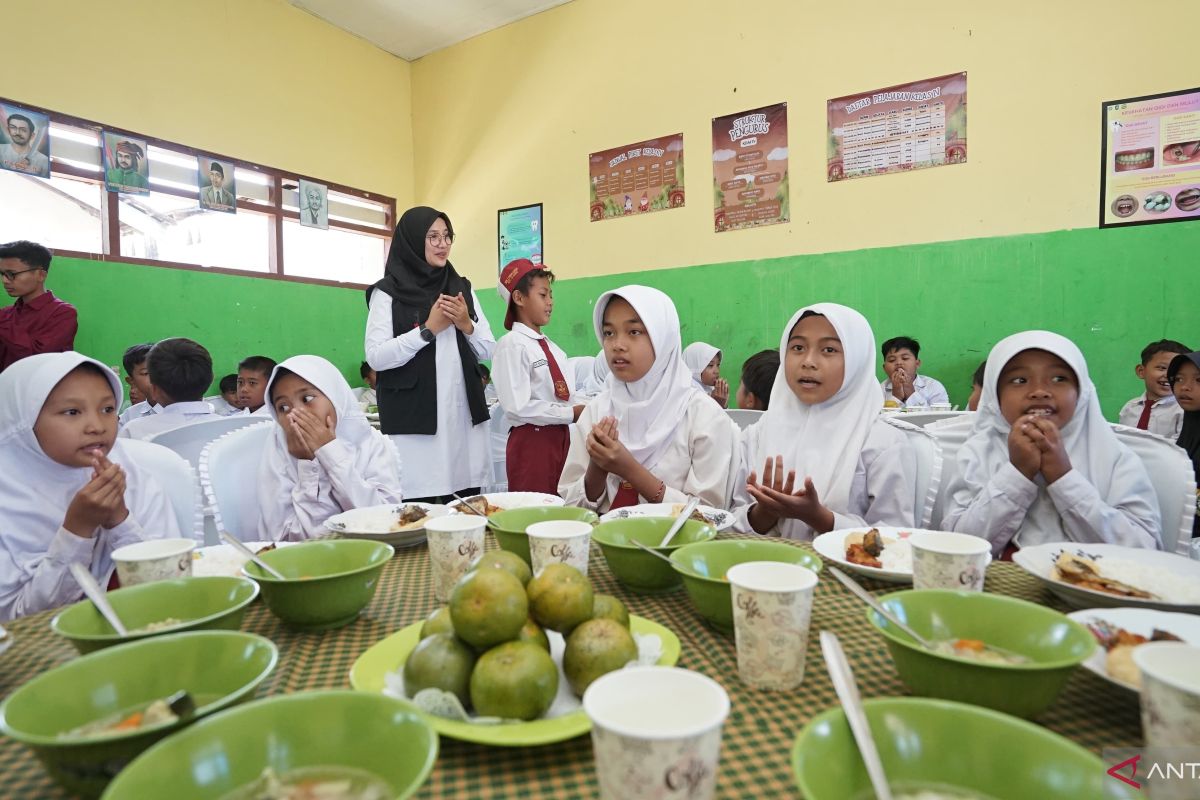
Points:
(704, 361)
(70, 493)
(650, 436)
(599, 378)
(1041, 463)
(823, 425)
(324, 457)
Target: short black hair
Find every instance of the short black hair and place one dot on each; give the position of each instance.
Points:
(1163, 346)
(181, 368)
(34, 255)
(977, 378)
(529, 277)
(365, 370)
(758, 374)
(901, 343)
(261, 364)
(135, 355)
(228, 384)
(279, 375)
(24, 119)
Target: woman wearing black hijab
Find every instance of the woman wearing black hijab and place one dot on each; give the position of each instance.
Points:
(426, 335)
(1186, 387)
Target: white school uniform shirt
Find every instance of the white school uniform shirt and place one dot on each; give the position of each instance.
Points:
(458, 456)
(35, 550)
(523, 381)
(926, 392)
(169, 418)
(358, 469)
(136, 411)
(1106, 497)
(222, 408)
(1166, 417)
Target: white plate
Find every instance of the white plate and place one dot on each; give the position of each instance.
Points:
(507, 500)
(721, 520)
(1039, 562)
(1141, 621)
(225, 559)
(375, 522)
(832, 545)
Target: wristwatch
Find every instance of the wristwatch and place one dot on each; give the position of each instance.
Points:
(427, 334)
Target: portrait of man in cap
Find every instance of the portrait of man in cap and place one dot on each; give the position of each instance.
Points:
(214, 177)
(125, 166)
(314, 205)
(24, 141)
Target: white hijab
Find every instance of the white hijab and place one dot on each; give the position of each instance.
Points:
(823, 441)
(1091, 445)
(599, 377)
(581, 370)
(697, 355)
(374, 456)
(648, 410)
(35, 489)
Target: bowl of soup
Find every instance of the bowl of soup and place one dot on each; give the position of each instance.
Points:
(344, 744)
(989, 650)
(89, 717)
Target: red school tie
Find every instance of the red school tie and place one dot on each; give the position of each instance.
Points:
(1144, 419)
(560, 385)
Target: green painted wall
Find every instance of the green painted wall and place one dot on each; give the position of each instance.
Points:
(1110, 291)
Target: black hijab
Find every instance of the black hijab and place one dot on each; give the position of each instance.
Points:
(408, 394)
(1189, 435)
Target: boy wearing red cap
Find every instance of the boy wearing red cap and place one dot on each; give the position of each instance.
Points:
(528, 372)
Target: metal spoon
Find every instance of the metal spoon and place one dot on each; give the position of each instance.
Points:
(246, 551)
(667, 559)
(682, 518)
(462, 501)
(847, 692)
(870, 600)
(97, 596)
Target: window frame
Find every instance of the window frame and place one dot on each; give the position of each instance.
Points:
(110, 237)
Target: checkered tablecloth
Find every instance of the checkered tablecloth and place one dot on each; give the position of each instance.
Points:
(755, 758)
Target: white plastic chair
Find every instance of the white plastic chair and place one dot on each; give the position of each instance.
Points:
(927, 477)
(923, 418)
(743, 417)
(177, 479)
(358, 392)
(189, 440)
(229, 476)
(950, 434)
(1174, 481)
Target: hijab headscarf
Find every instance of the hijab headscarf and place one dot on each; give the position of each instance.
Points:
(823, 440)
(581, 371)
(1189, 435)
(697, 355)
(648, 410)
(407, 275)
(599, 377)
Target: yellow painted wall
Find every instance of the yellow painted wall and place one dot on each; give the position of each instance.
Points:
(509, 118)
(252, 79)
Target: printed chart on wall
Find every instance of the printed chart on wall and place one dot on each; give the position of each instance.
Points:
(519, 232)
(1151, 170)
(750, 168)
(637, 178)
(900, 128)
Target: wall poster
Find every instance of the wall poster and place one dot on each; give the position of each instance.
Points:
(637, 178)
(519, 232)
(750, 168)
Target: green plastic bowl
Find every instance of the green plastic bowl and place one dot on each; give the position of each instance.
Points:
(634, 567)
(1054, 644)
(327, 582)
(703, 567)
(367, 731)
(210, 603)
(509, 526)
(218, 668)
(924, 743)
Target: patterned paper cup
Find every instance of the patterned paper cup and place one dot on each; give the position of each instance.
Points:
(1170, 714)
(944, 560)
(656, 733)
(455, 544)
(566, 541)
(154, 560)
(772, 605)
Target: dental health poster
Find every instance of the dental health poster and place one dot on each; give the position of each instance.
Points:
(520, 234)
(637, 178)
(1151, 151)
(750, 168)
(909, 126)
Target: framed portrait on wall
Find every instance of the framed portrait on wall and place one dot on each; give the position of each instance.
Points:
(314, 205)
(519, 234)
(126, 168)
(217, 183)
(24, 141)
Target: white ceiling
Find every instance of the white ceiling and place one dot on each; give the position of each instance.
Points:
(414, 28)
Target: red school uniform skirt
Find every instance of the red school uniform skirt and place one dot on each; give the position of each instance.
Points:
(535, 457)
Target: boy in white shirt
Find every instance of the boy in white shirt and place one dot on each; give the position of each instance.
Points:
(904, 387)
(180, 372)
(138, 379)
(528, 371)
(1155, 410)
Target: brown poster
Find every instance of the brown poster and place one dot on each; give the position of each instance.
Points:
(900, 128)
(637, 178)
(750, 168)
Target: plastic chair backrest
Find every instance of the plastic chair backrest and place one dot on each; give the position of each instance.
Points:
(923, 418)
(229, 475)
(743, 417)
(189, 440)
(1174, 480)
(950, 434)
(928, 476)
(177, 479)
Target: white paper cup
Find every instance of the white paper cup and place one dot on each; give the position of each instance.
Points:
(944, 560)
(1170, 712)
(656, 733)
(154, 560)
(772, 606)
(455, 544)
(565, 541)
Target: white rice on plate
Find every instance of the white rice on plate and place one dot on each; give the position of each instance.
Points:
(1163, 584)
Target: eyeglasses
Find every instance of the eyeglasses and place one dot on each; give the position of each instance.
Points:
(438, 238)
(9, 274)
